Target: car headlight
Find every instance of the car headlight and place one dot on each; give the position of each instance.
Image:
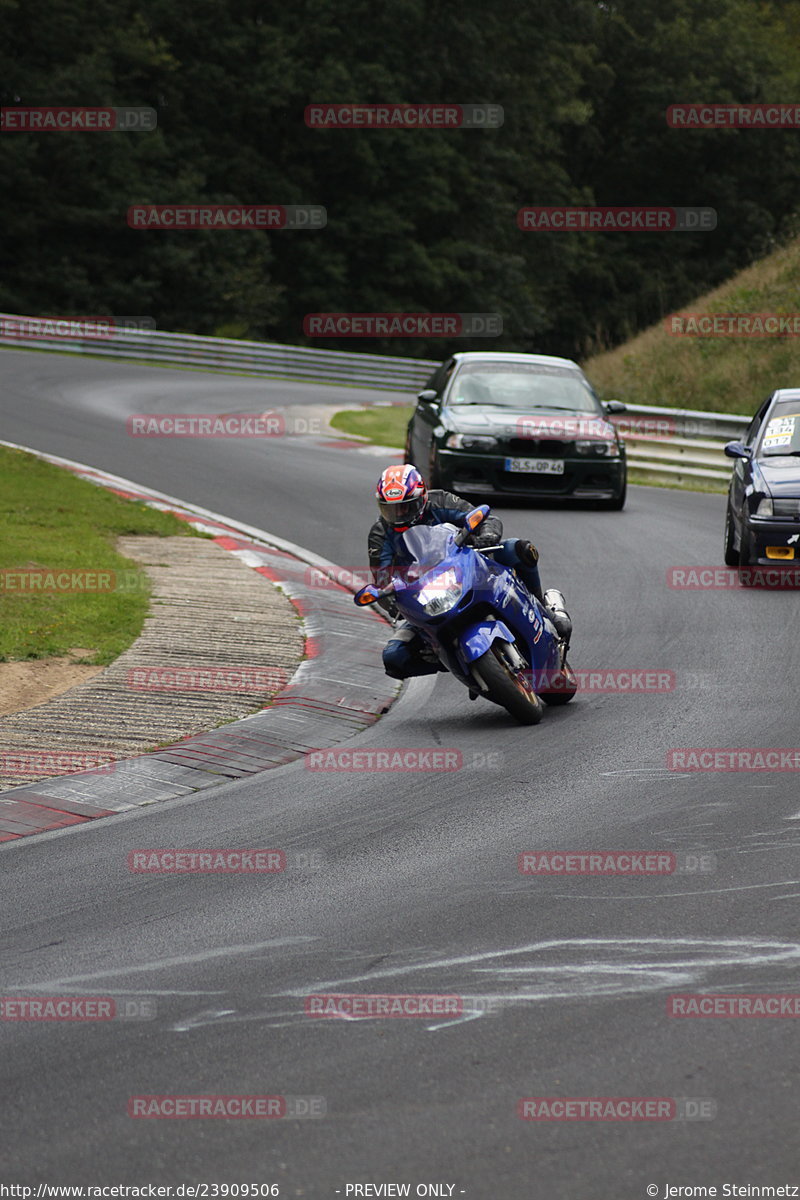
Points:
(765, 508)
(440, 593)
(594, 446)
(470, 441)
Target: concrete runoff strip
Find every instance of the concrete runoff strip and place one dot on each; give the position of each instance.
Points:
(337, 691)
(218, 643)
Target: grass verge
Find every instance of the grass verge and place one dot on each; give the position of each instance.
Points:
(54, 522)
(715, 373)
(383, 426)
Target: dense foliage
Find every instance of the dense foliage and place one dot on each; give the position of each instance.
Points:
(418, 221)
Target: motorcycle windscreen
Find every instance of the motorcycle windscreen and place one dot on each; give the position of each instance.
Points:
(428, 545)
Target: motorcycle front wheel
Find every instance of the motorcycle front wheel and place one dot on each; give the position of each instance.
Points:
(507, 686)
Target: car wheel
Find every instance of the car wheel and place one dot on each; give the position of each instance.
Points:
(745, 561)
(731, 553)
(434, 473)
(744, 551)
(407, 447)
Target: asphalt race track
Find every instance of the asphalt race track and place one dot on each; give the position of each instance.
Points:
(418, 889)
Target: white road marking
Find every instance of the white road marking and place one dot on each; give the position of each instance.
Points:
(179, 960)
(207, 1017)
(650, 771)
(734, 952)
(745, 887)
(34, 987)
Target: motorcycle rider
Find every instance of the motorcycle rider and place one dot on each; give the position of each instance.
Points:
(404, 501)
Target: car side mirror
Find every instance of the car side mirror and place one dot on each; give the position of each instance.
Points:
(611, 407)
(737, 450)
(428, 396)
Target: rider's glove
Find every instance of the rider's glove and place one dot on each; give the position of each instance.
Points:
(390, 609)
(526, 552)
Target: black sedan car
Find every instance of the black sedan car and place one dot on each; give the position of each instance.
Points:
(523, 425)
(762, 522)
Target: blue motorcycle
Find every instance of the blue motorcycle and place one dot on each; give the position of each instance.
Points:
(479, 619)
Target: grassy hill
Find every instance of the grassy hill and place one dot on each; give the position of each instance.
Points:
(722, 374)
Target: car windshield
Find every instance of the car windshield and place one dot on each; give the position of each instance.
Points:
(509, 385)
(781, 433)
(427, 545)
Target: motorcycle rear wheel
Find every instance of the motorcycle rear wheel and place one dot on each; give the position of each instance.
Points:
(565, 690)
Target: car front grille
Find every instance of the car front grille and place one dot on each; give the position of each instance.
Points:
(536, 448)
(523, 481)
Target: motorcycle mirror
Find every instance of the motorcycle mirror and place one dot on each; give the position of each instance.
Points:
(477, 516)
(366, 595)
(473, 519)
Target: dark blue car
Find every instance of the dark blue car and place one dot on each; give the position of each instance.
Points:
(762, 522)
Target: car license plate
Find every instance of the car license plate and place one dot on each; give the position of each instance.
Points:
(536, 466)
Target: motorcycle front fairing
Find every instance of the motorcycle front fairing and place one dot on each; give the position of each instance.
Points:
(461, 602)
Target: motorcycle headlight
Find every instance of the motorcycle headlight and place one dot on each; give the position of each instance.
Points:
(470, 441)
(440, 593)
(765, 508)
(594, 446)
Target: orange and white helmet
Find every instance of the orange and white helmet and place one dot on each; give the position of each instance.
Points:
(402, 497)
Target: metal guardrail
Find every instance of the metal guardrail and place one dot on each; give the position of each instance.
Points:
(255, 358)
(676, 444)
(679, 444)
